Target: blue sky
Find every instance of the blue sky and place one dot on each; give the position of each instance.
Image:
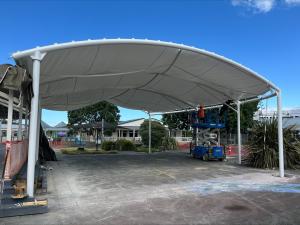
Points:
(263, 35)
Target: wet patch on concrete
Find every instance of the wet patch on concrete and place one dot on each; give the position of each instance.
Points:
(236, 208)
(213, 188)
(253, 182)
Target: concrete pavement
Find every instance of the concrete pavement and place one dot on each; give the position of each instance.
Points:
(163, 188)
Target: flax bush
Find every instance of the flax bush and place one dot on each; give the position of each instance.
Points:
(262, 151)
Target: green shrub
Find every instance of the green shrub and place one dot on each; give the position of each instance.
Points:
(262, 151)
(158, 132)
(108, 145)
(124, 145)
(138, 145)
(169, 143)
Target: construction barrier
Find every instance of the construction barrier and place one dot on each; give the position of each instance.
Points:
(15, 157)
(183, 145)
(232, 150)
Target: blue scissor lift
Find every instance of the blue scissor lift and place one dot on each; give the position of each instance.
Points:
(206, 138)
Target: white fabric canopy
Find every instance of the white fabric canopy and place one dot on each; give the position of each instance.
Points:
(147, 75)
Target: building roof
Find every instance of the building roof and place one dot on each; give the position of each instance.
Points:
(97, 125)
(134, 123)
(129, 121)
(291, 122)
(61, 125)
(153, 76)
(286, 112)
(131, 124)
(45, 125)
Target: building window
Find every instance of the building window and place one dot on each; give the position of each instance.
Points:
(136, 134)
(131, 133)
(124, 133)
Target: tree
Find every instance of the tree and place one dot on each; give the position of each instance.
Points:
(94, 114)
(158, 132)
(247, 114)
(181, 120)
(178, 121)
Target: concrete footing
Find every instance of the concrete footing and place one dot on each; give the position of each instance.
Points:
(23, 206)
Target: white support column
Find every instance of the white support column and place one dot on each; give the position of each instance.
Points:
(149, 151)
(33, 133)
(26, 124)
(38, 129)
(196, 137)
(20, 135)
(10, 116)
(0, 130)
(280, 134)
(238, 104)
(133, 135)
(102, 130)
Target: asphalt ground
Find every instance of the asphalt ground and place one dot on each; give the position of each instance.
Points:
(164, 188)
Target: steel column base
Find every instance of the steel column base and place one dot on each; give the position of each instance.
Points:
(22, 207)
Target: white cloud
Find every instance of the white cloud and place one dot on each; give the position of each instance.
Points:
(292, 2)
(260, 6)
(263, 6)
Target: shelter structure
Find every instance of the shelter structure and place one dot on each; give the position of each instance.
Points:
(153, 76)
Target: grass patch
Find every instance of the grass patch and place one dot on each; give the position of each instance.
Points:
(76, 151)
